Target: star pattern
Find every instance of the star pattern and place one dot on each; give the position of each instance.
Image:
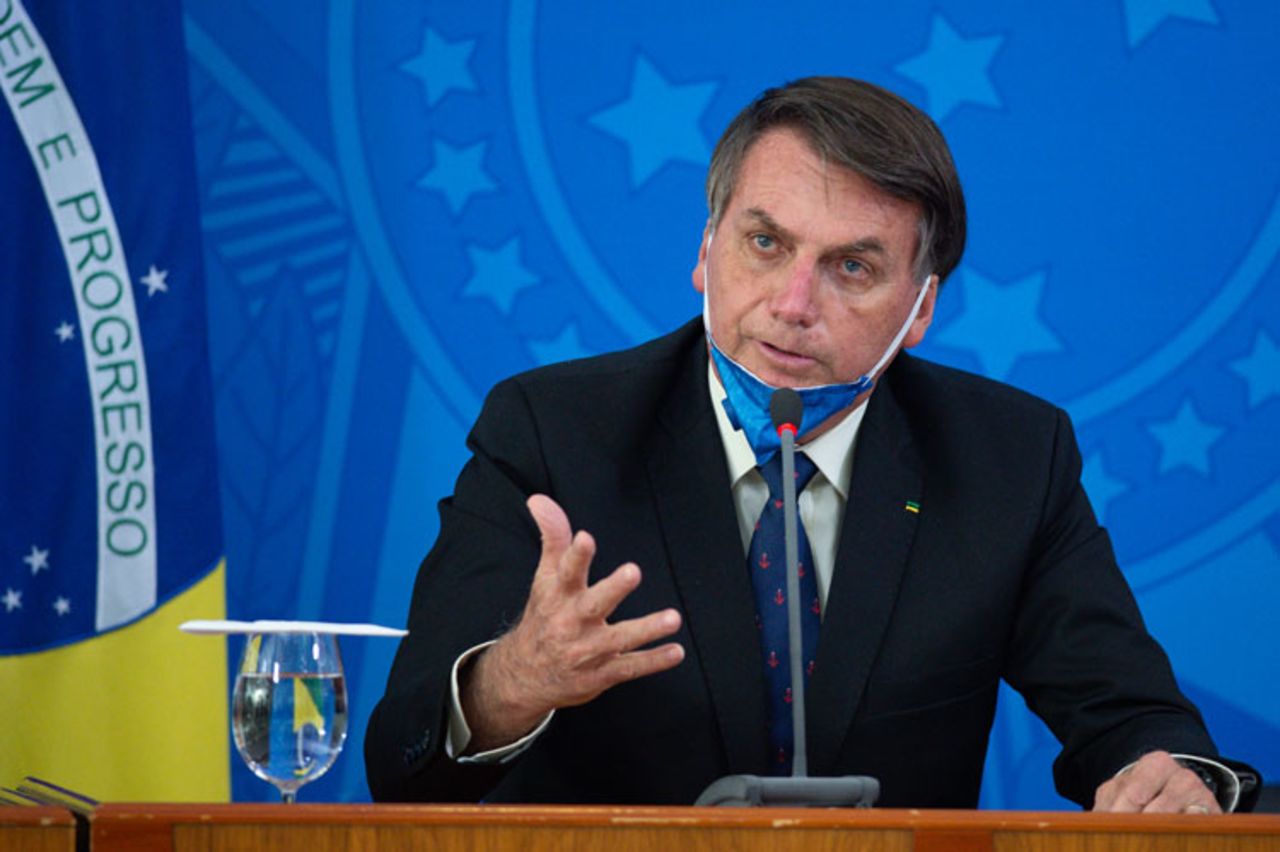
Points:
(65, 332)
(1260, 369)
(37, 559)
(499, 275)
(12, 600)
(659, 122)
(1100, 485)
(458, 174)
(62, 606)
(953, 70)
(565, 346)
(1141, 17)
(154, 281)
(1001, 323)
(1185, 440)
(441, 66)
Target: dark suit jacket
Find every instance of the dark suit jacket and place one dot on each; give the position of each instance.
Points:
(1004, 572)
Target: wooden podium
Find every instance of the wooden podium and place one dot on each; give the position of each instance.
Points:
(439, 828)
(37, 830)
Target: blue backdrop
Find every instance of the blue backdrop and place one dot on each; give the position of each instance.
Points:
(405, 202)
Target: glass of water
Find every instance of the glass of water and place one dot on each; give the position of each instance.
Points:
(289, 709)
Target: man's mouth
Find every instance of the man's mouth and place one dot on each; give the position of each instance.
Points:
(785, 357)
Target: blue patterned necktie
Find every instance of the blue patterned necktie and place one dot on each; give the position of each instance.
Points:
(767, 563)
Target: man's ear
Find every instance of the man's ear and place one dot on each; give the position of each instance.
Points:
(700, 269)
(924, 317)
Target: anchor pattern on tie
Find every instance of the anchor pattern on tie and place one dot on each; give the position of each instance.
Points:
(768, 569)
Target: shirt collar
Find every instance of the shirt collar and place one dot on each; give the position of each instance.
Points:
(831, 453)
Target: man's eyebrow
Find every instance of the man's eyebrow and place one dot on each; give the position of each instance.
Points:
(866, 245)
(768, 222)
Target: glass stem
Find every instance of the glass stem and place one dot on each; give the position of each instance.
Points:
(288, 796)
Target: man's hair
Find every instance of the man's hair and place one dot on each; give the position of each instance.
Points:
(865, 128)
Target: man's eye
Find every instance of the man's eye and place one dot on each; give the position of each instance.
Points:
(853, 267)
(764, 242)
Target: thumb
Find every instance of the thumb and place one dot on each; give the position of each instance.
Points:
(553, 526)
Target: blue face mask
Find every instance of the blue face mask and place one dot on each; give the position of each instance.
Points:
(747, 396)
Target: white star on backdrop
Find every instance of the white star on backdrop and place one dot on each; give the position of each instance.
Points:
(499, 274)
(1185, 440)
(1260, 369)
(38, 560)
(458, 174)
(154, 281)
(659, 121)
(62, 606)
(441, 66)
(65, 332)
(954, 69)
(12, 600)
(1001, 323)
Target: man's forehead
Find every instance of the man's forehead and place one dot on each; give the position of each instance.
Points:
(782, 164)
(784, 155)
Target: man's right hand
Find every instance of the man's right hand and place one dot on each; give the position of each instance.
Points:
(563, 651)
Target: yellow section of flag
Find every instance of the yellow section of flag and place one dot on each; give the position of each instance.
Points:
(136, 714)
(306, 710)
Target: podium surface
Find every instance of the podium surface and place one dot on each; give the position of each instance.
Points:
(460, 828)
(37, 829)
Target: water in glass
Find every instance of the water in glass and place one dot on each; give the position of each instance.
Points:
(289, 709)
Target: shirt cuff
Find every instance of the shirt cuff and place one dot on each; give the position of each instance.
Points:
(458, 736)
(1226, 783)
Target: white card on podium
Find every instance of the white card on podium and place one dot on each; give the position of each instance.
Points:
(206, 627)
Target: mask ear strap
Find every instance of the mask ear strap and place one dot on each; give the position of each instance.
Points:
(706, 284)
(902, 332)
(706, 260)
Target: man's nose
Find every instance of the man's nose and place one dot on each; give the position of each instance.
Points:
(795, 300)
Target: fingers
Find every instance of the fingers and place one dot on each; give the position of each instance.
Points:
(574, 564)
(1155, 784)
(1135, 786)
(612, 658)
(563, 651)
(600, 600)
(1184, 793)
(638, 664)
(626, 636)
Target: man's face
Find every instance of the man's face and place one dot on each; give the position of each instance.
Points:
(810, 268)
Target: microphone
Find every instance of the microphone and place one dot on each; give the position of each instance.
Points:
(786, 409)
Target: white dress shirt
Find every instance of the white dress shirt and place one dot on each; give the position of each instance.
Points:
(821, 504)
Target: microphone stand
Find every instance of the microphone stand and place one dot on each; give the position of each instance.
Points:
(799, 790)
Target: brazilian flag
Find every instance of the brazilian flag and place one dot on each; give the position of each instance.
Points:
(109, 522)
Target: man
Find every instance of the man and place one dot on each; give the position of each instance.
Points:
(951, 541)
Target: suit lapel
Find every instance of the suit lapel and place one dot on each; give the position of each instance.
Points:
(870, 563)
(690, 482)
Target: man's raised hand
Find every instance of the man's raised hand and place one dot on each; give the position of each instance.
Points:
(563, 651)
